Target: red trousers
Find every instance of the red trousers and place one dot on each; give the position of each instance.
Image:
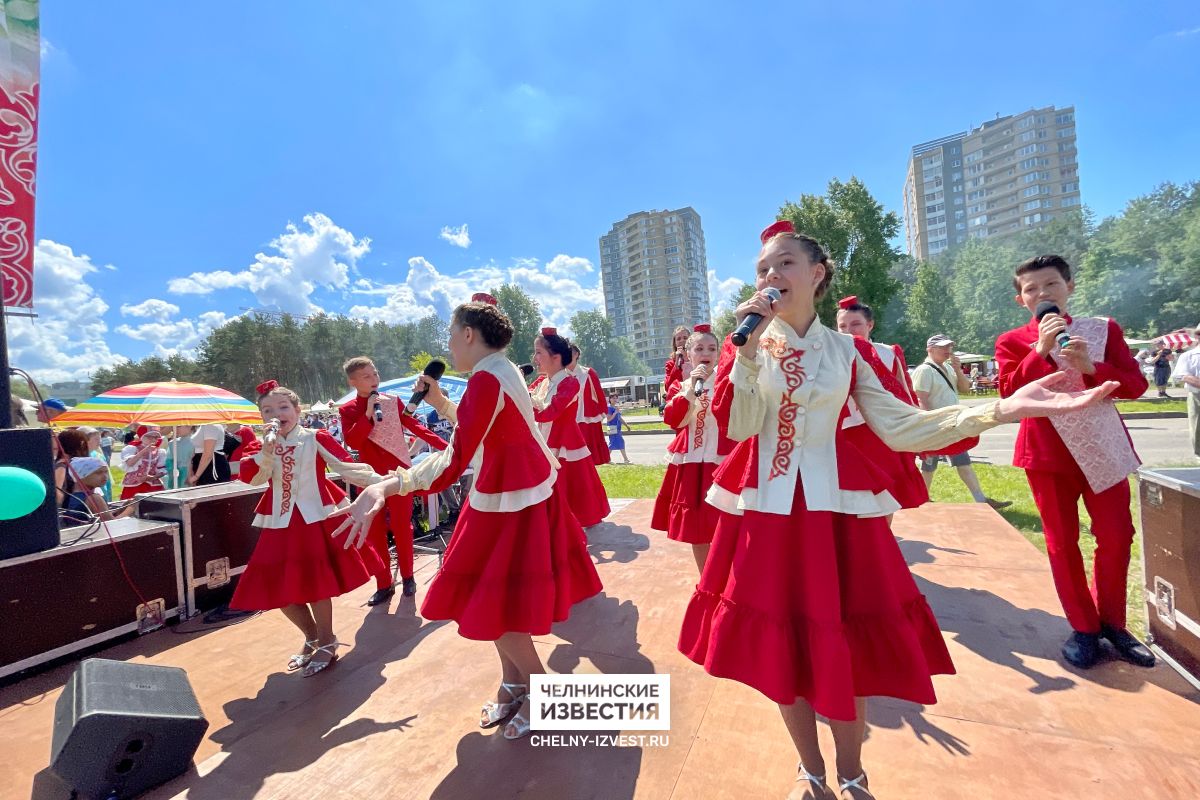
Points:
(1057, 497)
(397, 515)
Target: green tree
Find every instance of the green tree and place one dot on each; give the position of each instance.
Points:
(931, 309)
(419, 361)
(525, 315)
(982, 293)
(857, 233)
(607, 354)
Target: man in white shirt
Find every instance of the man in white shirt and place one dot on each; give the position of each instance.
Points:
(1187, 371)
(937, 382)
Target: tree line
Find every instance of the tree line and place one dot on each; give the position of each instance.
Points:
(306, 354)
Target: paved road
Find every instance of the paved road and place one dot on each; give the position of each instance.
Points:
(1158, 442)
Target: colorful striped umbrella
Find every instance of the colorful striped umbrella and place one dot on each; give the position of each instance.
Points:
(163, 403)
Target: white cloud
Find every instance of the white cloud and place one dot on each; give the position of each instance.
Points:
(68, 338)
(1186, 32)
(321, 256)
(426, 291)
(157, 309)
(170, 336)
(721, 292)
(456, 236)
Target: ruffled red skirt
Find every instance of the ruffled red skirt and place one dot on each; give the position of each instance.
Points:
(515, 571)
(814, 605)
(906, 483)
(593, 435)
(301, 563)
(681, 508)
(579, 486)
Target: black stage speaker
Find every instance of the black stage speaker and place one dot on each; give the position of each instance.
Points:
(120, 729)
(29, 448)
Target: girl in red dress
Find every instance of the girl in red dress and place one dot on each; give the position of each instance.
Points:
(593, 409)
(902, 478)
(518, 560)
(805, 595)
(296, 567)
(697, 449)
(555, 409)
(673, 370)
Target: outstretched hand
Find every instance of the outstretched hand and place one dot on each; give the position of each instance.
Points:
(1039, 399)
(359, 516)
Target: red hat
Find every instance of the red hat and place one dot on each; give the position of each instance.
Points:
(782, 226)
(549, 331)
(266, 387)
(703, 327)
(848, 301)
(484, 297)
(142, 430)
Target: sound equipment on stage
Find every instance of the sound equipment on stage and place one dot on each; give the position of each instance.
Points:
(120, 729)
(76, 596)
(29, 449)
(218, 536)
(1170, 512)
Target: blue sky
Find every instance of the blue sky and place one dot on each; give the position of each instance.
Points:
(304, 155)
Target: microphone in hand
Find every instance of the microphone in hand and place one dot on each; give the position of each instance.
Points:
(378, 408)
(752, 321)
(272, 431)
(1046, 307)
(433, 370)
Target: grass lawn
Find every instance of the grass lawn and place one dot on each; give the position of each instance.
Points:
(650, 411)
(1173, 404)
(649, 426)
(1002, 483)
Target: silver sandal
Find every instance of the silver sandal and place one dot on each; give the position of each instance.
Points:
(317, 666)
(820, 787)
(493, 713)
(855, 784)
(300, 660)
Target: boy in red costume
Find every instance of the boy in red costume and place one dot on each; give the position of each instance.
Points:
(1086, 453)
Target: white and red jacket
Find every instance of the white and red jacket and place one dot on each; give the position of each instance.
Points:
(701, 435)
(294, 469)
(891, 356)
(495, 433)
(593, 406)
(785, 409)
(555, 404)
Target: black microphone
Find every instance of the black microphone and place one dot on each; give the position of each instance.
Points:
(434, 369)
(378, 407)
(1047, 307)
(752, 321)
(526, 370)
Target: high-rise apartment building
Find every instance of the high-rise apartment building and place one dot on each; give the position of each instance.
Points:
(654, 273)
(1008, 175)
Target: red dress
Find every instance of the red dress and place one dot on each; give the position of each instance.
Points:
(296, 560)
(797, 600)
(578, 482)
(682, 508)
(518, 559)
(907, 486)
(593, 415)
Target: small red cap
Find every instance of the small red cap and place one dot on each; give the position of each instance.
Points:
(549, 331)
(703, 327)
(484, 297)
(266, 386)
(782, 226)
(848, 301)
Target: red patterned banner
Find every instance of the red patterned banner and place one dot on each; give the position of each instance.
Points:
(20, 62)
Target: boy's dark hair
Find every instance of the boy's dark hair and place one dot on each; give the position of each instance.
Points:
(492, 324)
(1041, 262)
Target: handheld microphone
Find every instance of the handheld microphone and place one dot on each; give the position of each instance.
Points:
(526, 370)
(378, 407)
(752, 321)
(1046, 307)
(273, 428)
(434, 369)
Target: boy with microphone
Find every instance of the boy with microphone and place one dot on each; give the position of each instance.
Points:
(1085, 453)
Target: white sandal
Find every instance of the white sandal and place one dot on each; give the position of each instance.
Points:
(820, 787)
(855, 784)
(317, 666)
(493, 713)
(520, 726)
(300, 660)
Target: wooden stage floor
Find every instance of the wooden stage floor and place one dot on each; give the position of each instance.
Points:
(396, 717)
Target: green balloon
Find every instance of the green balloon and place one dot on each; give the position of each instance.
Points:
(20, 492)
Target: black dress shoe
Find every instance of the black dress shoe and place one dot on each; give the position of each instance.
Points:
(382, 596)
(410, 587)
(1128, 646)
(1082, 649)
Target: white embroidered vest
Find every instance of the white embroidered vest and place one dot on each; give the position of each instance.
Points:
(1095, 436)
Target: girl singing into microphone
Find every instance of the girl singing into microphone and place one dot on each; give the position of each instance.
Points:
(518, 559)
(805, 595)
(296, 567)
(698, 447)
